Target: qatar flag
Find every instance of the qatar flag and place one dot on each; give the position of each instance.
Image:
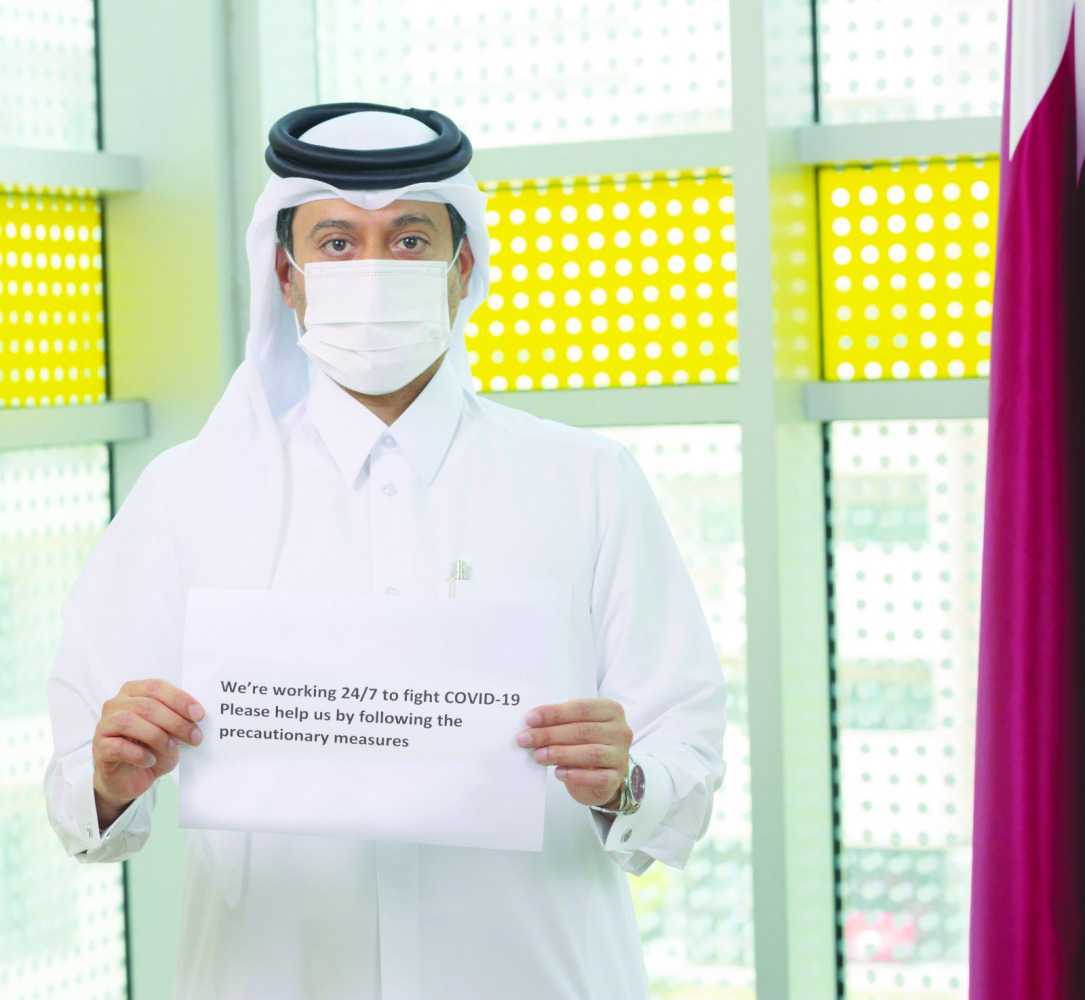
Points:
(1028, 878)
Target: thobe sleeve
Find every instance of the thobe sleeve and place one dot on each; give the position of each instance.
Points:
(655, 656)
(69, 788)
(119, 623)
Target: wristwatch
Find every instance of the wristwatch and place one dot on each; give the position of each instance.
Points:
(632, 792)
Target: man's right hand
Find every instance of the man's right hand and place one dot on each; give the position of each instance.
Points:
(136, 741)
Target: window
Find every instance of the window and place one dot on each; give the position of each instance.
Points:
(614, 281)
(52, 321)
(519, 74)
(908, 256)
(907, 528)
(886, 61)
(61, 923)
(48, 91)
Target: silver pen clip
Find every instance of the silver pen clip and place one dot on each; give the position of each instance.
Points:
(459, 572)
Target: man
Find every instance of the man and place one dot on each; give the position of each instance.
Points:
(373, 469)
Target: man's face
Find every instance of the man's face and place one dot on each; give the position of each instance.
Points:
(403, 230)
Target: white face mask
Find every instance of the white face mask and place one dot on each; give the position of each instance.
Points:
(373, 325)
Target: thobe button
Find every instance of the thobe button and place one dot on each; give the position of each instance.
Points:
(389, 490)
(391, 592)
(388, 441)
(627, 835)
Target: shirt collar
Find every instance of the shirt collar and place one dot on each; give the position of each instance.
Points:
(350, 430)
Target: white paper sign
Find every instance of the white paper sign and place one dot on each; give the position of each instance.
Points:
(379, 718)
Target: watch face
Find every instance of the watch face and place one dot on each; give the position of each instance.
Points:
(636, 782)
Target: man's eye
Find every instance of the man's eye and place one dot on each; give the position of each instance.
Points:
(411, 242)
(338, 244)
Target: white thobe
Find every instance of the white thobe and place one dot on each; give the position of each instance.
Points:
(387, 511)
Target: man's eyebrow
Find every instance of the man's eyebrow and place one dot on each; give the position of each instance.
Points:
(331, 224)
(413, 220)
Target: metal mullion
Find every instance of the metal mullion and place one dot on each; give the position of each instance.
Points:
(89, 423)
(827, 542)
(783, 510)
(899, 140)
(644, 406)
(603, 156)
(908, 399)
(822, 402)
(105, 173)
(815, 144)
(834, 728)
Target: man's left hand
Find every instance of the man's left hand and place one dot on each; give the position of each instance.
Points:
(589, 741)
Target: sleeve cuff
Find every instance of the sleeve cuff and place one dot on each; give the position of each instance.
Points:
(92, 842)
(625, 834)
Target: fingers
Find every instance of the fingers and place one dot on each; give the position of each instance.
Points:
(575, 733)
(580, 710)
(130, 726)
(600, 784)
(112, 751)
(159, 703)
(590, 755)
(181, 702)
(580, 722)
(165, 719)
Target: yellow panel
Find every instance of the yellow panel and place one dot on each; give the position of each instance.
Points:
(52, 331)
(616, 281)
(907, 257)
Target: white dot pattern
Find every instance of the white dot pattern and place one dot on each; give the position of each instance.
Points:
(609, 282)
(907, 256)
(517, 74)
(48, 88)
(880, 60)
(907, 530)
(61, 923)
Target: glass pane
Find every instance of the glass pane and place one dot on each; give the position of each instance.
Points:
(52, 319)
(524, 73)
(61, 923)
(908, 254)
(885, 61)
(907, 530)
(697, 924)
(48, 77)
(615, 281)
